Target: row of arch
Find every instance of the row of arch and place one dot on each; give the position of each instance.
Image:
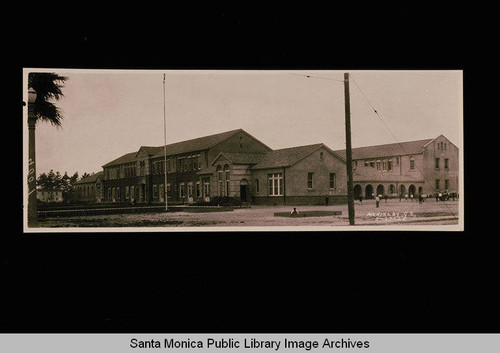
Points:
(371, 192)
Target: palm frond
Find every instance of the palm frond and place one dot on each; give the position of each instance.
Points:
(47, 86)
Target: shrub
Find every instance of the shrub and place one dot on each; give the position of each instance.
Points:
(220, 201)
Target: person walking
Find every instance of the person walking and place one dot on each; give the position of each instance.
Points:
(377, 201)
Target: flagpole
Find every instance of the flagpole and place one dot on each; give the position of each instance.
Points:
(165, 189)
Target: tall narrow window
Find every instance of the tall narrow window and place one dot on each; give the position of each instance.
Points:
(227, 175)
(332, 180)
(310, 180)
(446, 163)
(437, 184)
(155, 192)
(256, 185)
(436, 163)
(446, 184)
(412, 163)
(389, 164)
(161, 192)
(219, 180)
(378, 165)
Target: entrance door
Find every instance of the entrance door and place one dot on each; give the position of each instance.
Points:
(243, 193)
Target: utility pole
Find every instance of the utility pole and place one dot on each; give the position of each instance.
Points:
(165, 189)
(350, 194)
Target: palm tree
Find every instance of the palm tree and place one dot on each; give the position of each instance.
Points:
(47, 86)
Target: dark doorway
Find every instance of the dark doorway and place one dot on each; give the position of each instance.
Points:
(243, 193)
(369, 192)
(357, 191)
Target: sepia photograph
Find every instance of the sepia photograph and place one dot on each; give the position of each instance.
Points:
(252, 150)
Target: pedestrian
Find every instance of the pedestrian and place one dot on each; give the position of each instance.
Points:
(440, 197)
(411, 197)
(377, 201)
(360, 199)
(294, 212)
(437, 196)
(406, 197)
(420, 198)
(385, 198)
(400, 197)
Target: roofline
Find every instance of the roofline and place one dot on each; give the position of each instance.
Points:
(320, 145)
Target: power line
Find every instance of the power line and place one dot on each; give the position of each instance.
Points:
(397, 141)
(318, 77)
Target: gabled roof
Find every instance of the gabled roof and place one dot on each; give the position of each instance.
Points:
(387, 150)
(287, 156)
(241, 158)
(151, 150)
(90, 179)
(197, 144)
(126, 158)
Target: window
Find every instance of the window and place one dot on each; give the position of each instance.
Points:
(219, 178)
(384, 165)
(275, 184)
(190, 190)
(206, 188)
(437, 184)
(310, 180)
(378, 165)
(132, 193)
(367, 163)
(332, 180)
(436, 163)
(161, 192)
(446, 184)
(446, 163)
(372, 164)
(227, 178)
(397, 160)
(198, 189)
(354, 164)
(127, 192)
(321, 155)
(182, 191)
(412, 163)
(389, 164)
(256, 185)
(155, 192)
(168, 190)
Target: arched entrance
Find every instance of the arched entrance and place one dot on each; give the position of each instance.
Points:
(402, 190)
(392, 189)
(369, 192)
(412, 190)
(420, 190)
(380, 189)
(357, 191)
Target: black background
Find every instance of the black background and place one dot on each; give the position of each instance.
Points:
(247, 281)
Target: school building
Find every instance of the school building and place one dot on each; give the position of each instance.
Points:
(237, 165)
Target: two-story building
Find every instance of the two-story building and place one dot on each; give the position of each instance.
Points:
(422, 167)
(236, 164)
(139, 177)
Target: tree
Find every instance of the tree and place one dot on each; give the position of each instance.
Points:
(47, 86)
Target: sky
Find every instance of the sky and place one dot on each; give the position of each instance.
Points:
(108, 113)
